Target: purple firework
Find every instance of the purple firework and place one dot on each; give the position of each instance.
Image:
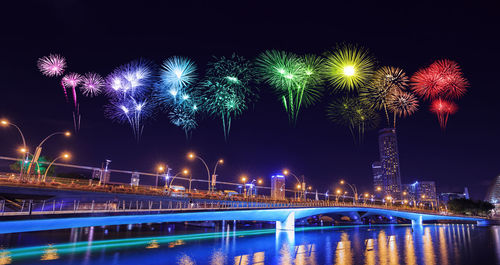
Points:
(72, 80)
(131, 79)
(52, 65)
(92, 84)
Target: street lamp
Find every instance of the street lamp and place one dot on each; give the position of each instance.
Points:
(160, 169)
(38, 149)
(184, 172)
(6, 123)
(192, 156)
(353, 188)
(63, 155)
(337, 194)
(287, 172)
(244, 181)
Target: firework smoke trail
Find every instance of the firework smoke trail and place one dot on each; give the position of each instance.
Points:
(295, 79)
(92, 84)
(129, 89)
(442, 80)
(348, 67)
(73, 80)
(229, 87)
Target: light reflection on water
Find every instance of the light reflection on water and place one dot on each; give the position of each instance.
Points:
(391, 245)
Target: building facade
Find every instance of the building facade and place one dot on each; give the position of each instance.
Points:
(420, 192)
(378, 173)
(389, 161)
(493, 195)
(278, 187)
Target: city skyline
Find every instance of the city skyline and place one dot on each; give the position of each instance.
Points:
(316, 148)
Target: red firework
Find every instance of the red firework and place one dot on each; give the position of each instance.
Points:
(442, 79)
(443, 109)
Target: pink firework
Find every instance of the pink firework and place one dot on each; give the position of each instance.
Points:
(71, 80)
(442, 79)
(443, 109)
(92, 84)
(52, 65)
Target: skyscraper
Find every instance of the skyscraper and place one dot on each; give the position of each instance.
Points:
(389, 160)
(378, 172)
(493, 195)
(278, 187)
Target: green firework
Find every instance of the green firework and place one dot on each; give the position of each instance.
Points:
(352, 113)
(348, 67)
(295, 79)
(229, 87)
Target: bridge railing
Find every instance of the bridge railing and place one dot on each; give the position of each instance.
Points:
(51, 207)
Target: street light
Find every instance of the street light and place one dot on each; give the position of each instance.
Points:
(63, 155)
(353, 188)
(287, 172)
(184, 172)
(5, 123)
(160, 169)
(192, 156)
(38, 149)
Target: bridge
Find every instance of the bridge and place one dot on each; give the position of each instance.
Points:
(51, 216)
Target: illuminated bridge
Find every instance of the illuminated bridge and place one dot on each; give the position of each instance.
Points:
(52, 215)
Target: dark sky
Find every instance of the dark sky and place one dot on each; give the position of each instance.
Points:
(94, 36)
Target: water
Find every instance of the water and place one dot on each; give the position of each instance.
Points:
(390, 244)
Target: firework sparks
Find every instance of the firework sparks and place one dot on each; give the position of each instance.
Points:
(402, 104)
(228, 88)
(177, 73)
(443, 109)
(128, 88)
(348, 67)
(294, 78)
(52, 65)
(442, 79)
(92, 84)
(354, 114)
(132, 79)
(73, 80)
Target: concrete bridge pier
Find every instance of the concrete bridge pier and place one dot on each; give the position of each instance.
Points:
(483, 222)
(417, 221)
(288, 224)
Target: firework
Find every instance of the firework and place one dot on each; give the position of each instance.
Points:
(295, 79)
(131, 111)
(442, 79)
(348, 67)
(129, 90)
(92, 84)
(402, 104)
(354, 114)
(228, 88)
(443, 109)
(132, 79)
(72, 80)
(386, 82)
(177, 73)
(184, 116)
(52, 65)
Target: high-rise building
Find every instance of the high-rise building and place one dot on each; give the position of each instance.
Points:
(389, 160)
(278, 187)
(420, 192)
(493, 195)
(378, 172)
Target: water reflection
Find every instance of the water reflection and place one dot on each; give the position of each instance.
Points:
(387, 245)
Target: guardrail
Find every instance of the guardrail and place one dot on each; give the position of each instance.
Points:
(55, 207)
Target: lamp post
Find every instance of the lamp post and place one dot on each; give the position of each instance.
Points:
(192, 156)
(5, 123)
(184, 172)
(302, 184)
(244, 181)
(64, 155)
(38, 149)
(354, 190)
(337, 194)
(160, 169)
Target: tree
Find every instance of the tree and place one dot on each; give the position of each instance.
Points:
(470, 207)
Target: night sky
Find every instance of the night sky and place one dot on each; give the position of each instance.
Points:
(97, 37)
